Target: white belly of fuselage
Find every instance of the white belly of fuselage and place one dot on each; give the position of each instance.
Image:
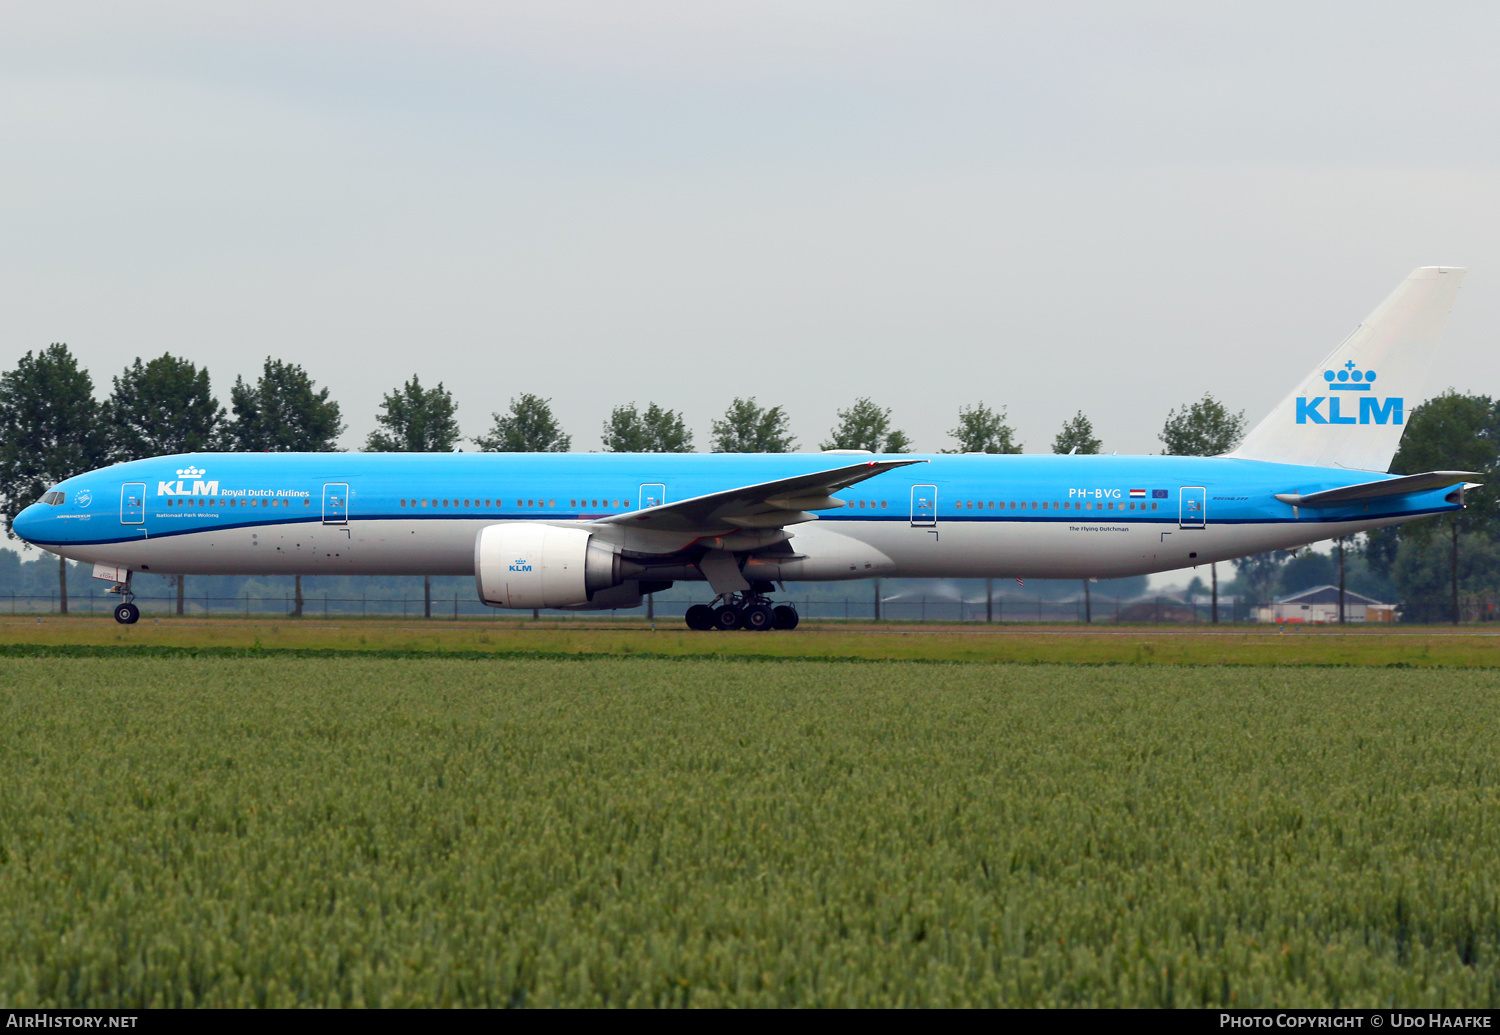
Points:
(952, 549)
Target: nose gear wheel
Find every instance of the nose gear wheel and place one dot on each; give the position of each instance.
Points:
(126, 613)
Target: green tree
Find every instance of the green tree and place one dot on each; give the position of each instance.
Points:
(50, 429)
(657, 430)
(749, 428)
(866, 426)
(1203, 428)
(1076, 436)
(1449, 432)
(282, 413)
(1307, 570)
(162, 407)
(982, 430)
(415, 420)
(529, 427)
(1423, 574)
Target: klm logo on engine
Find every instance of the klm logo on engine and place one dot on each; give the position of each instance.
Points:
(520, 565)
(1390, 410)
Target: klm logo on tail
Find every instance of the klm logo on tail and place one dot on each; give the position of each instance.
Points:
(1390, 410)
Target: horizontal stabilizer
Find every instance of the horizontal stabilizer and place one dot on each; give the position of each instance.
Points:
(767, 505)
(1386, 487)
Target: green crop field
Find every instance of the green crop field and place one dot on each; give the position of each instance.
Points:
(287, 830)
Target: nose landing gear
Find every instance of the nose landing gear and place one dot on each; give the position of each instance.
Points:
(742, 611)
(126, 613)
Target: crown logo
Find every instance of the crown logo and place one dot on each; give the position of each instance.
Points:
(190, 472)
(1348, 379)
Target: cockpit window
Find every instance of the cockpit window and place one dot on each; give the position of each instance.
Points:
(54, 498)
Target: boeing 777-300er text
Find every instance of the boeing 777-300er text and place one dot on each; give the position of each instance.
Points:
(598, 530)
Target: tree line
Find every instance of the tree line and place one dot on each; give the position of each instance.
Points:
(52, 427)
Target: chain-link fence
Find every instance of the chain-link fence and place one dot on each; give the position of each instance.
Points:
(906, 608)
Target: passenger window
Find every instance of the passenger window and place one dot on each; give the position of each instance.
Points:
(1153, 506)
(882, 504)
(552, 503)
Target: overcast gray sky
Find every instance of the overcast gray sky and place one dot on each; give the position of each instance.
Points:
(1111, 207)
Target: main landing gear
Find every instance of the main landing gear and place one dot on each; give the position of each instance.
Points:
(742, 611)
(126, 613)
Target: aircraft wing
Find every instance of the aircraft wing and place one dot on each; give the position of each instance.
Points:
(1403, 486)
(786, 501)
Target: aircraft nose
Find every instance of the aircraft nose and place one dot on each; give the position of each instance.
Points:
(27, 523)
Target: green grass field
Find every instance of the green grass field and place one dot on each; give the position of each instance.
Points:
(281, 830)
(1377, 646)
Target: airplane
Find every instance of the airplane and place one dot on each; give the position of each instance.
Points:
(600, 530)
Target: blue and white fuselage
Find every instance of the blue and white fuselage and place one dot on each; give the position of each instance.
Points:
(947, 516)
(599, 530)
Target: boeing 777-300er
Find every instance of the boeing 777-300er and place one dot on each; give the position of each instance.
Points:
(599, 530)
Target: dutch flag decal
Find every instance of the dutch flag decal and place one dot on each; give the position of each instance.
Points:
(1137, 494)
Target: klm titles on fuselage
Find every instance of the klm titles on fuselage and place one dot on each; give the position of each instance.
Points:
(207, 488)
(1390, 410)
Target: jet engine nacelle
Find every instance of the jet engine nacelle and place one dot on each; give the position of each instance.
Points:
(527, 565)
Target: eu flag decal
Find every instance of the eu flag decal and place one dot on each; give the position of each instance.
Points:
(1158, 494)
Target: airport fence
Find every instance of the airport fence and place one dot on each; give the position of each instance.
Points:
(1009, 608)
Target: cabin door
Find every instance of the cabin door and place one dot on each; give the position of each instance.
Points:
(336, 503)
(653, 494)
(923, 506)
(1193, 507)
(133, 503)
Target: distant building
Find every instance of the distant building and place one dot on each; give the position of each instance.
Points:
(1321, 604)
